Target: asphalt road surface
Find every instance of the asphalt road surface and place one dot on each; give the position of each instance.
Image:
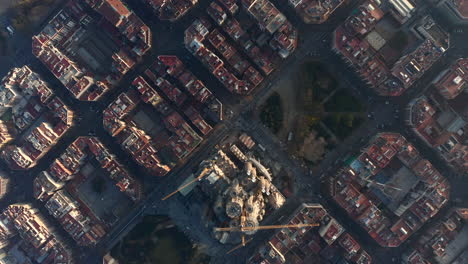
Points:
(168, 39)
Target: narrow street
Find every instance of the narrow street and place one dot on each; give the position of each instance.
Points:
(168, 39)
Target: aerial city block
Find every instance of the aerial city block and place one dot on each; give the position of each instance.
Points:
(234, 132)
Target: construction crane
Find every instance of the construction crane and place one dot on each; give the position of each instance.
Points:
(202, 174)
(244, 229)
(253, 228)
(239, 246)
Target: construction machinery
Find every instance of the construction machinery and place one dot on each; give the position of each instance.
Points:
(251, 228)
(244, 242)
(202, 174)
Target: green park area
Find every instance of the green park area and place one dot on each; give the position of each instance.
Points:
(314, 83)
(344, 113)
(271, 113)
(321, 113)
(156, 240)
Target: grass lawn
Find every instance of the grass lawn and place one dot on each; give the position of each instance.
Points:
(344, 101)
(342, 124)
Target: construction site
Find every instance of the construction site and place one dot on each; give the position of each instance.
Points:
(238, 189)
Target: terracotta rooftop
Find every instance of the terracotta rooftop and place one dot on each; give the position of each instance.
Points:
(462, 7)
(363, 184)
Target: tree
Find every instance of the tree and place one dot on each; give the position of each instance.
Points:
(348, 120)
(271, 114)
